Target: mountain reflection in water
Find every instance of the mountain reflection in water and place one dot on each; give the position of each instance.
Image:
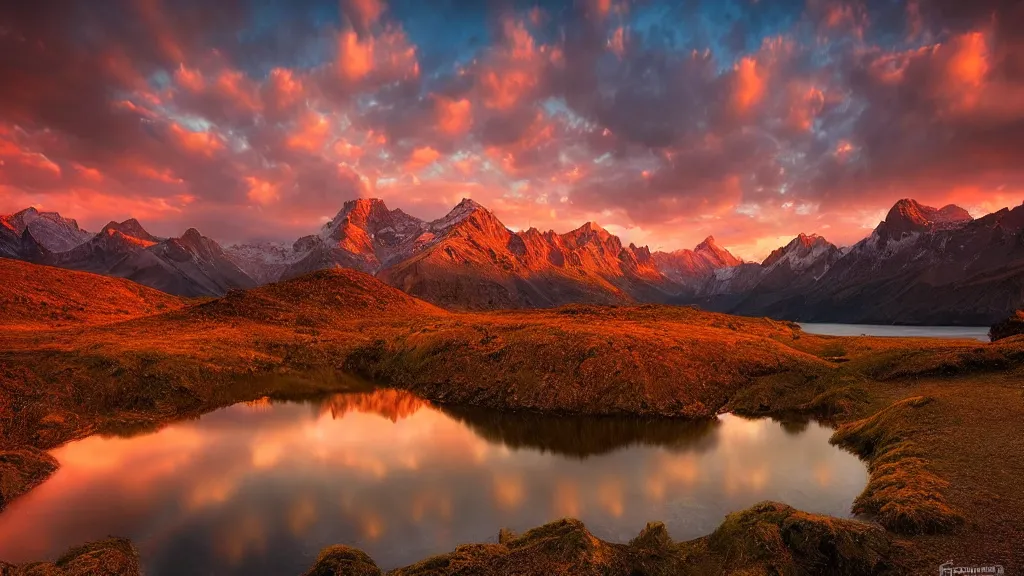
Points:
(261, 487)
(580, 436)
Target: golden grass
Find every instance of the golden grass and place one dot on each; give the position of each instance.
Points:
(769, 538)
(337, 560)
(40, 297)
(21, 470)
(902, 493)
(298, 337)
(110, 557)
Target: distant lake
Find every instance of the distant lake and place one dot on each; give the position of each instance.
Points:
(261, 487)
(970, 332)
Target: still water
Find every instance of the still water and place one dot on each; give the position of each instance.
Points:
(260, 488)
(969, 332)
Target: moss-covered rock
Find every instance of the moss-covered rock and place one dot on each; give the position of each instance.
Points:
(1012, 326)
(21, 470)
(769, 538)
(343, 561)
(110, 557)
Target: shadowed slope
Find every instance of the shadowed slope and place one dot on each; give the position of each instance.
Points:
(318, 298)
(40, 296)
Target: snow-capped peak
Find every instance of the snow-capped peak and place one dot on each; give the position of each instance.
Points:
(802, 252)
(463, 210)
(49, 229)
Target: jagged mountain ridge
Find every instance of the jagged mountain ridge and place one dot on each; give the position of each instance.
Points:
(468, 259)
(191, 265)
(920, 265)
(48, 229)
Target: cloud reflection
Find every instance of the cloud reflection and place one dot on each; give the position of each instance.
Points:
(261, 487)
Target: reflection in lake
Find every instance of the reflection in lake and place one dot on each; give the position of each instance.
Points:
(260, 488)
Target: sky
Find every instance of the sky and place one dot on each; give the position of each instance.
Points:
(664, 121)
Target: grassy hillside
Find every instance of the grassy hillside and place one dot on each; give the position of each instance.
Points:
(34, 297)
(930, 473)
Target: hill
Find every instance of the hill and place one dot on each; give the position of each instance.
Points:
(36, 297)
(318, 299)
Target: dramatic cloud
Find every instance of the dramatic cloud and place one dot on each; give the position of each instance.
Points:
(664, 121)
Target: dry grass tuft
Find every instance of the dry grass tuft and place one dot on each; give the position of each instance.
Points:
(1012, 326)
(110, 557)
(772, 538)
(902, 493)
(769, 538)
(21, 470)
(341, 560)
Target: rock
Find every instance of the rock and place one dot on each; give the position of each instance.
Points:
(1012, 326)
(341, 560)
(21, 470)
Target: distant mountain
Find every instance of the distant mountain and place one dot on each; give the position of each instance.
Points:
(264, 262)
(48, 230)
(191, 265)
(686, 266)
(133, 229)
(469, 259)
(921, 265)
(943, 269)
(786, 273)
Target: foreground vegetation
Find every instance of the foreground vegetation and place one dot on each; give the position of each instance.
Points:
(908, 406)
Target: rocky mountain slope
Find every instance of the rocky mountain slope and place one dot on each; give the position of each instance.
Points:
(921, 265)
(51, 231)
(469, 259)
(192, 265)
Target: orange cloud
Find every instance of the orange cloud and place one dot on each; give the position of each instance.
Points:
(367, 11)
(346, 150)
(388, 56)
(969, 63)
(284, 88)
(503, 90)
(355, 57)
(806, 104)
(238, 89)
(201, 142)
(189, 78)
(521, 44)
(454, 117)
(617, 43)
(311, 134)
(750, 83)
(602, 7)
(261, 192)
(421, 158)
(88, 173)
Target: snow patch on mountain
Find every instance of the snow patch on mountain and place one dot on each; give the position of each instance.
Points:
(52, 231)
(264, 261)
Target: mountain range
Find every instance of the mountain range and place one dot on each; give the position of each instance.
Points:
(921, 265)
